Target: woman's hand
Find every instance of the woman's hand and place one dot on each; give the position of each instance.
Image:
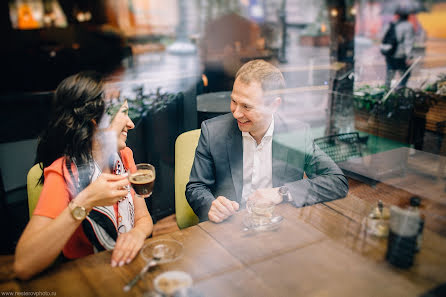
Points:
(106, 190)
(127, 246)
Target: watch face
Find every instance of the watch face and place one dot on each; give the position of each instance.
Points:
(283, 190)
(79, 213)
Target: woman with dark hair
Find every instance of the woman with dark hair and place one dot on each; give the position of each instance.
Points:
(86, 204)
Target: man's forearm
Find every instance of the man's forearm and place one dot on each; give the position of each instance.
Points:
(200, 199)
(319, 189)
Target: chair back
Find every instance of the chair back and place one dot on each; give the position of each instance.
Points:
(33, 187)
(340, 147)
(185, 146)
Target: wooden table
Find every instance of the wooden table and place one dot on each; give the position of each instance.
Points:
(320, 250)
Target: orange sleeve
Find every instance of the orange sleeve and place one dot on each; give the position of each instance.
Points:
(55, 195)
(54, 199)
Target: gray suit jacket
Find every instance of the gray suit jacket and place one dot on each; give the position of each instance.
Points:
(218, 166)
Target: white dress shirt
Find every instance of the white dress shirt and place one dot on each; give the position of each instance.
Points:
(257, 163)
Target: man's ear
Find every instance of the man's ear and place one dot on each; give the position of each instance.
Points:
(276, 104)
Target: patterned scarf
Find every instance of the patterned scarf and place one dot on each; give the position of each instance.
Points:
(101, 226)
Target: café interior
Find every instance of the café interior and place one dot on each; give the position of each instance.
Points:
(174, 66)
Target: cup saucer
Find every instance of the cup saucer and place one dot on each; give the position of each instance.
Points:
(164, 250)
(250, 224)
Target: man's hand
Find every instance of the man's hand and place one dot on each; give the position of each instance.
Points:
(221, 209)
(267, 195)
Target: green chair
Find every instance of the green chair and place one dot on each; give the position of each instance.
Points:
(185, 146)
(33, 187)
(340, 147)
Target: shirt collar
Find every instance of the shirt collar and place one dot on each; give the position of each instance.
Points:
(269, 132)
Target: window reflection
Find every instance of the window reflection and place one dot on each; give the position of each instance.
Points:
(388, 139)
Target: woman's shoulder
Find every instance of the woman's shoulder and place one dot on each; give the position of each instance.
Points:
(59, 167)
(56, 167)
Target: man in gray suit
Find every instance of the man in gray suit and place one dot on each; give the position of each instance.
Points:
(242, 156)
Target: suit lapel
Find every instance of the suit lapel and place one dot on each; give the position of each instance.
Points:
(279, 153)
(280, 156)
(235, 155)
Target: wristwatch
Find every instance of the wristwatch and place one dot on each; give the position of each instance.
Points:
(285, 193)
(79, 213)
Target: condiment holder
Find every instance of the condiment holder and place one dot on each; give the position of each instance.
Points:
(378, 220)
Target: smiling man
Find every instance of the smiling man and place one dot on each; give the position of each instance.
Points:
(238, 157)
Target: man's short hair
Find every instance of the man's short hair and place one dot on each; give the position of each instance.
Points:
(269, 76)
(403, 16)
(402, 12)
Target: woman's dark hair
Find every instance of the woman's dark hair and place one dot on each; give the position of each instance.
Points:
(77, 107)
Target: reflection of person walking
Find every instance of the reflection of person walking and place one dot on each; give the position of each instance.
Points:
(399, 58)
